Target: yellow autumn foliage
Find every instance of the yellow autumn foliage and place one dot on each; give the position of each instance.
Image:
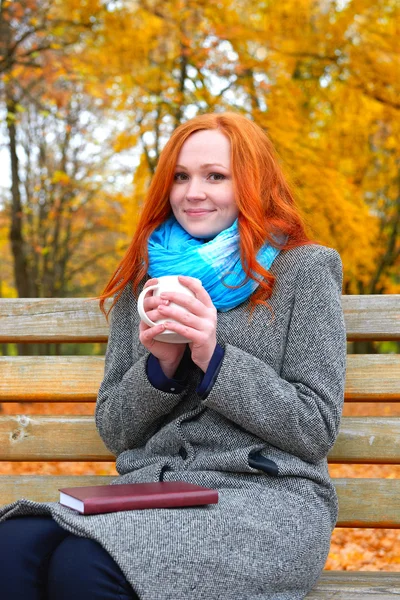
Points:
(320, 78)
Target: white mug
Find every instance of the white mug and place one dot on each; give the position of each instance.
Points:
(166, 283)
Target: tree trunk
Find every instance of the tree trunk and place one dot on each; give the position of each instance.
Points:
(18, 246)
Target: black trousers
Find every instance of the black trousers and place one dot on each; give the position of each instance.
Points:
(39, 560)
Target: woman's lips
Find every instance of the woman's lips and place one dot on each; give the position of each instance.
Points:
(198, 213)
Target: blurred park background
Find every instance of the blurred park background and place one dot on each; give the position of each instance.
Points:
(90, 90)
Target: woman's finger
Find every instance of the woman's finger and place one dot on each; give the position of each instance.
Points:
(154, 315)
(152, 302)
(195, 336)
(147, 334)
(188, 318)
(150, 282)
(196, 287)
(189, 303)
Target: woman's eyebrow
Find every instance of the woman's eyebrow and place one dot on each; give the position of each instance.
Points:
(205, 166)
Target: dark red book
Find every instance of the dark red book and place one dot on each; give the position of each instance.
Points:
(96, 499)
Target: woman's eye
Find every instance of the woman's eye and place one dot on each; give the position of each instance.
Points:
(212, 177)
(180, 177)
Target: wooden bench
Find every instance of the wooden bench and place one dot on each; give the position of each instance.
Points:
(363, 440)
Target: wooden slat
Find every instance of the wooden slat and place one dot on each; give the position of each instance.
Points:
(363, 440)
(31, 438)
(369, 378)
(358, 506)
(52, 320)
(367, 440)
(43, 488)
(353, 585)
(373, 377)
(368, 502)
(371, 317)
(50, 378)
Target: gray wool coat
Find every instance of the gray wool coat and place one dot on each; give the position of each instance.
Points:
(279, 391)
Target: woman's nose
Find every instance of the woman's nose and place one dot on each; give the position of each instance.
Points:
(195, 190)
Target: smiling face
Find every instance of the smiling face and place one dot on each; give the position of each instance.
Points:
(201, 196)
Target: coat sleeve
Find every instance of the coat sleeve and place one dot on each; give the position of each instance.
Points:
(299, 409)
(129, 410)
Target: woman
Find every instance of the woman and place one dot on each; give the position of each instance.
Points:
(251, 406)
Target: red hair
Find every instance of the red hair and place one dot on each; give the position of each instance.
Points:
(263, 196)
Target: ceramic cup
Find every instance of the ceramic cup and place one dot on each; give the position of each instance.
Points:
(166, 283)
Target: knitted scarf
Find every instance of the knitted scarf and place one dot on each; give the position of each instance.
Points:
(173, 251)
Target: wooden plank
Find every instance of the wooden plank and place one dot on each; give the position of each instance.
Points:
(362, 440)
(50, 378)
(372, 317)
(358, 506)
(353, 585)
(369, 317)
(43, 488)
(367, 440)
(369, 378)
(373, 378)
(369, 502)
(52, 320)
(31, 438)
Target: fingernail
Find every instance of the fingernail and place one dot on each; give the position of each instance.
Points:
(165, 302)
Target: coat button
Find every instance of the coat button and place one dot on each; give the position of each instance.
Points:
(182, 452)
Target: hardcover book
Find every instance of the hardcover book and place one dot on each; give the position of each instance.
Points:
(92, 500)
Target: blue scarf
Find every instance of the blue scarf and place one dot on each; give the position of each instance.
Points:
(173, 251)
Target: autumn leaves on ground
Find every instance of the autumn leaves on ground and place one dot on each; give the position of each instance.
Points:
(351, 549)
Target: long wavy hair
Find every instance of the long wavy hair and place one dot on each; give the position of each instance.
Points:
(264, 198)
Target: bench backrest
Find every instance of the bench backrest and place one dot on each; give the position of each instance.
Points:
(362, 440)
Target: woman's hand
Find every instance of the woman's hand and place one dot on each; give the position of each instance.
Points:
(199, 324)
(169, 355)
